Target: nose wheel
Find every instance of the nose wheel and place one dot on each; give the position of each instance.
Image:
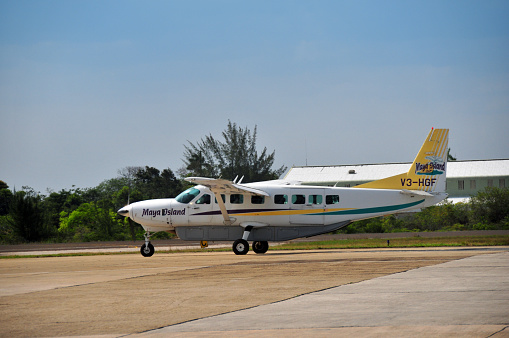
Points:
(147, 249)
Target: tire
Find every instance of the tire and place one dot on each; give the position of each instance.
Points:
(240, 247)
(147, 251)
(260, 247)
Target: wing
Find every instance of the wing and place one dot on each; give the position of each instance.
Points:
(217, 185)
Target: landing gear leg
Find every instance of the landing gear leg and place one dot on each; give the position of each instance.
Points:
(241, 246)
(147, 249)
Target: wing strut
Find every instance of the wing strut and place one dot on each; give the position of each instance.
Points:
(224, 212)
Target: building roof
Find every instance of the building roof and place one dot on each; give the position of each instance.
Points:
(371, 172)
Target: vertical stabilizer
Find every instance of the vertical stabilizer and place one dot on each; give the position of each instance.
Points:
(428, 171)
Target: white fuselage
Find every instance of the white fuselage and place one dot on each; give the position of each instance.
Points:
(287, 205)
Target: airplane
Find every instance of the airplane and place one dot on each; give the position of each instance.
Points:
(222, 210)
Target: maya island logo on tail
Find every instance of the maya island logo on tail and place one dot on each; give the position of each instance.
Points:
(435, 166)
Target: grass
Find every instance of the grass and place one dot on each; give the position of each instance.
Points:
(410, 242)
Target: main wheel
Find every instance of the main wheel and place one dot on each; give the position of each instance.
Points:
(260, 247)
(240, 247)
(147, 250)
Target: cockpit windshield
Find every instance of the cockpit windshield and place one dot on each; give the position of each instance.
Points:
(188, 195)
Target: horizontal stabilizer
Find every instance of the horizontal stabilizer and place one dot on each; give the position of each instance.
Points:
(415, 193)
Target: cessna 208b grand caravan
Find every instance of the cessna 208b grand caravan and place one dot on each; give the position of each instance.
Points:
(223, 210)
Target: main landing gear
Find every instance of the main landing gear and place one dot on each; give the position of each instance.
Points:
(241, 246)
(147, 249)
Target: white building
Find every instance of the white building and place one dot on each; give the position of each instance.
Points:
(464, 178)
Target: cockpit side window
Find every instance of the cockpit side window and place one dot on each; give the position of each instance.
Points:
(223, 197)
(187, 196)
(205, 199)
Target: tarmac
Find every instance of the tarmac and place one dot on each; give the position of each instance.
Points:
(466, 297)
(415, 292)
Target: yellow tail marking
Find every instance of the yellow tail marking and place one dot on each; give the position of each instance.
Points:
(427, 172)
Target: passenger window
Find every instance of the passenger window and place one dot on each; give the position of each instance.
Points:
(298, 199)
(236, 199)
(315, 199)
(223, 197)
(280, 199)
(256, 199)
(205, 199)
(332, 199)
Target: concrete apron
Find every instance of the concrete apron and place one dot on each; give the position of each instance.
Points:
(466, 297)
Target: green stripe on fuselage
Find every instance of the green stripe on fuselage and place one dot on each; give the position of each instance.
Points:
(374, 210)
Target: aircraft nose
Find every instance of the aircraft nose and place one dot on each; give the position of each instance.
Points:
(124, 211)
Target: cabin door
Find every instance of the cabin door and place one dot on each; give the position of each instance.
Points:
(200, 211)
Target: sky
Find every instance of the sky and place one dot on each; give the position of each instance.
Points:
(90, 87)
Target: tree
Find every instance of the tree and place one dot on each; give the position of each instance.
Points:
(27, 217)
(155, 184)
(91, 223)
(490, 207)
(5, 198)
(237, 155)
(129, 174)
(449, 156)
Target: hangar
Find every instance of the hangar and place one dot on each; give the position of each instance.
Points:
(464, 178)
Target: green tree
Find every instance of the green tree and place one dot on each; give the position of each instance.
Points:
(91, 223)
(490, 208)
(434, 218)
(128, 174)
(26, 216)
(449, 156)
(5, 198)
(7, 235)
(236, 155)
(155, 184)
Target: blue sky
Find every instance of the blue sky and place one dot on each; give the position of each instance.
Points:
(89, 87)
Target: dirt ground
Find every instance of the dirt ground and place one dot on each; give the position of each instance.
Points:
(122, 294)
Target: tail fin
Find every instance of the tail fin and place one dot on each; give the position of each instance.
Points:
(428, 171)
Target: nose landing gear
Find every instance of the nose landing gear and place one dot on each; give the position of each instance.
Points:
(147, 249)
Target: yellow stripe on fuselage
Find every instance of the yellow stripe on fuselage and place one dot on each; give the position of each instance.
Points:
(288, 212)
